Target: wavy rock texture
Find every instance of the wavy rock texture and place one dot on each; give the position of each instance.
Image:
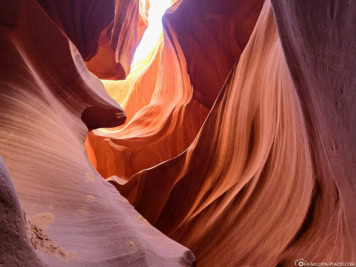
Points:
(75, 218)
(237, 141)
(118, 41)
(212, 41)
(319, 40)
(171, 117)
(256, 187)
(173, 114)
(135, 92)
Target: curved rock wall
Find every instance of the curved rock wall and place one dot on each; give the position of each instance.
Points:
(237, 140)
(75, 218)
(240, 195)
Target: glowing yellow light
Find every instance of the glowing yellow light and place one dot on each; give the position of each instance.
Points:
(154, 30)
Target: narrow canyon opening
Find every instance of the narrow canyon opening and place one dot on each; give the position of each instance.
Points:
(151, 36)
(177, 133)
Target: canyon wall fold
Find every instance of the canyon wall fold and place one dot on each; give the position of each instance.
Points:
(319, 42)
(48, 99)
(117, 43)
(106, 33)
(169, 106)
(254, 188)
(171, 116)
(231, 144)
(212, 35)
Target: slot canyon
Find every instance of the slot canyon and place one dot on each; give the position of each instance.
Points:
(224, 138)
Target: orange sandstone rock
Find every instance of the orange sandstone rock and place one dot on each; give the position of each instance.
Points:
(48, 100)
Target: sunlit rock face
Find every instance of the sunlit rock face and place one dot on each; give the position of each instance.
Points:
(231, 141)
(170, 107)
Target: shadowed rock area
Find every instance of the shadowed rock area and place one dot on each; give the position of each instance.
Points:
(15, 249)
